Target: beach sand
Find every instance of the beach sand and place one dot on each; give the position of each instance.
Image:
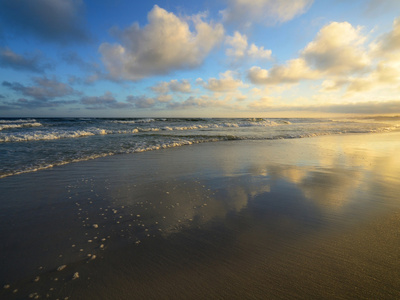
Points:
(314, 218)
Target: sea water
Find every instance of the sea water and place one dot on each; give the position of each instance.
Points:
(28, 145)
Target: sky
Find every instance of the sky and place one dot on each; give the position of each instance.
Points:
(205, 58)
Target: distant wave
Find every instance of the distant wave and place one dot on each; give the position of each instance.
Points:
(64, 134)
(14, 125)
(54, 134)
(138, 121)
(50, 135)
(18, 121)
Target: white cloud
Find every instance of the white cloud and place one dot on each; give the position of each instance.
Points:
(241, 50)
(107, 98)
(388, 45)
(294, 71)
(378, 7)
(44, 89)
(262, 103)
(384, 76)
(259, 52)
(241, 98)
(161, 87)
(267, 12)
(165, 44)
(337, 49)
(336, 53)
(141, 101)
(33, 63)
(226, 83)
(104, 102)
(238, 42)
(193, 102)
(368, 107)
(330, 85)
(175, 86)
(384, 72)
(164, 98)
(258, 75)
(182, 86)
(200, 102)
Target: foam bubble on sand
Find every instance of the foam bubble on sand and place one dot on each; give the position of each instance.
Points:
(34, 295)
(60, 268)
(91, 257)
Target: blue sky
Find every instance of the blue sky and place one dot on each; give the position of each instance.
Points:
(220, 58)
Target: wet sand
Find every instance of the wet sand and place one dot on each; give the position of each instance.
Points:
(313, 218)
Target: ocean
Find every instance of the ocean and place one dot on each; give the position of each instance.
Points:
(32, 144)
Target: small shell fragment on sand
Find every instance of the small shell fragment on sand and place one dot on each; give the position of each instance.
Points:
(75, 276)
(6, 286)
(60, 268)
(91, 256)
(36, 279)
(95, 226)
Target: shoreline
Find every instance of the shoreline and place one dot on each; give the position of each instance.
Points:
(192, 143)
(299, 217)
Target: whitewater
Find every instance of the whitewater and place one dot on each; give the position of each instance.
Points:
(32, 144)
